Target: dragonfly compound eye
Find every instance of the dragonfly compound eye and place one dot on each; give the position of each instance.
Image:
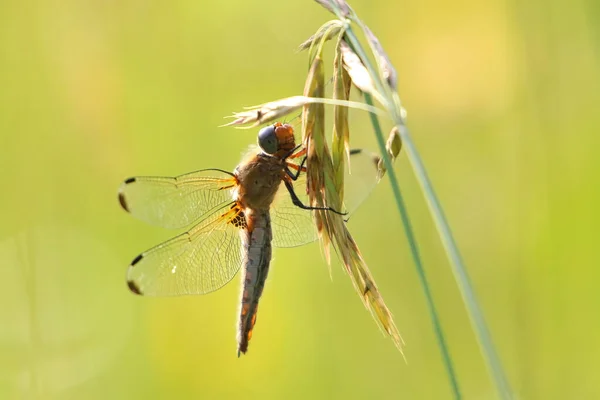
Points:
(267, 140)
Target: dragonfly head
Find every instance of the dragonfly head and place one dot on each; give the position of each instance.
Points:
(276, 138)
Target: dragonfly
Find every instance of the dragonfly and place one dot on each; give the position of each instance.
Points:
(236, 217)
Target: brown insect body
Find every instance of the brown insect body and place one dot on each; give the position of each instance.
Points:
(259, 179)
(232, 226)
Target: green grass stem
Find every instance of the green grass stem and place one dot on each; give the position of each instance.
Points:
(414, 249)
(392, 104)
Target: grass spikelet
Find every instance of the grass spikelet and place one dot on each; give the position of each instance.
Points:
(333, 5)
(359, 74)
(387, 70)
(393, 147)
(313, 137)
(276, 110)
(341, 132)
(268, 112)
(327, 31)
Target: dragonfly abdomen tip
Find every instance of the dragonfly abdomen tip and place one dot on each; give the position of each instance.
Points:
(242, 349)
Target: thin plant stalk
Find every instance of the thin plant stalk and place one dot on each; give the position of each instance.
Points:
(414, 249)
(458, 268)
(392, 103)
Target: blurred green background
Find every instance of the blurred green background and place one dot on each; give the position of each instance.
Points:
(502, 99)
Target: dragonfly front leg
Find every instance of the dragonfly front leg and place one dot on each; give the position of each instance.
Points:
(298, 203)
(300, 167)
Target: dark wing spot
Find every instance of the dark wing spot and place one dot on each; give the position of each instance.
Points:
(239, 221)
(129, 180)
(137, 259)
(123, 202)
(355, 151)
(376, 160)
(133, 287)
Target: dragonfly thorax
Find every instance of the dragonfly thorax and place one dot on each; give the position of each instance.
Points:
(258, 181)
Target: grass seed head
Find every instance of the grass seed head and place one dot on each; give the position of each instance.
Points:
(341, 131)
(313, 137)
(358, 72)
(387, 70)
(268, 112)
(325, 180)
(328, 31)
(331, 5)
(392, 147)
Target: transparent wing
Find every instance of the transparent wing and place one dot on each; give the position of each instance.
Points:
(199, 261)
(293, 226)
(362, 178)
(179, 201)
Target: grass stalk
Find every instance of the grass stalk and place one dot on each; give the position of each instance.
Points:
(392, 103)
(414, 249)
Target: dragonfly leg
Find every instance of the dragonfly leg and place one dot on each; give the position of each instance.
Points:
(298, 154)
(300, 169)
(290, 154)
(298, 203)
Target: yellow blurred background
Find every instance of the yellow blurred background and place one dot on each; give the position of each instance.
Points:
(502, 101)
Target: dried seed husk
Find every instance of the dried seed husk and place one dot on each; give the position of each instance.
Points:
(323, 191)
(387, 70)
(327, 31)
(268, 112)
(341, 4)
(275, 110)
(358, 72)
(341, 131)
(313, 137)
(393, 147)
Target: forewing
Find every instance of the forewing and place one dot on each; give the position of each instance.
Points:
(196, 262)
(293, 226)
(179, 201)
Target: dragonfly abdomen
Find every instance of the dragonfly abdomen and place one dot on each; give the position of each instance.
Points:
(256, 242)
